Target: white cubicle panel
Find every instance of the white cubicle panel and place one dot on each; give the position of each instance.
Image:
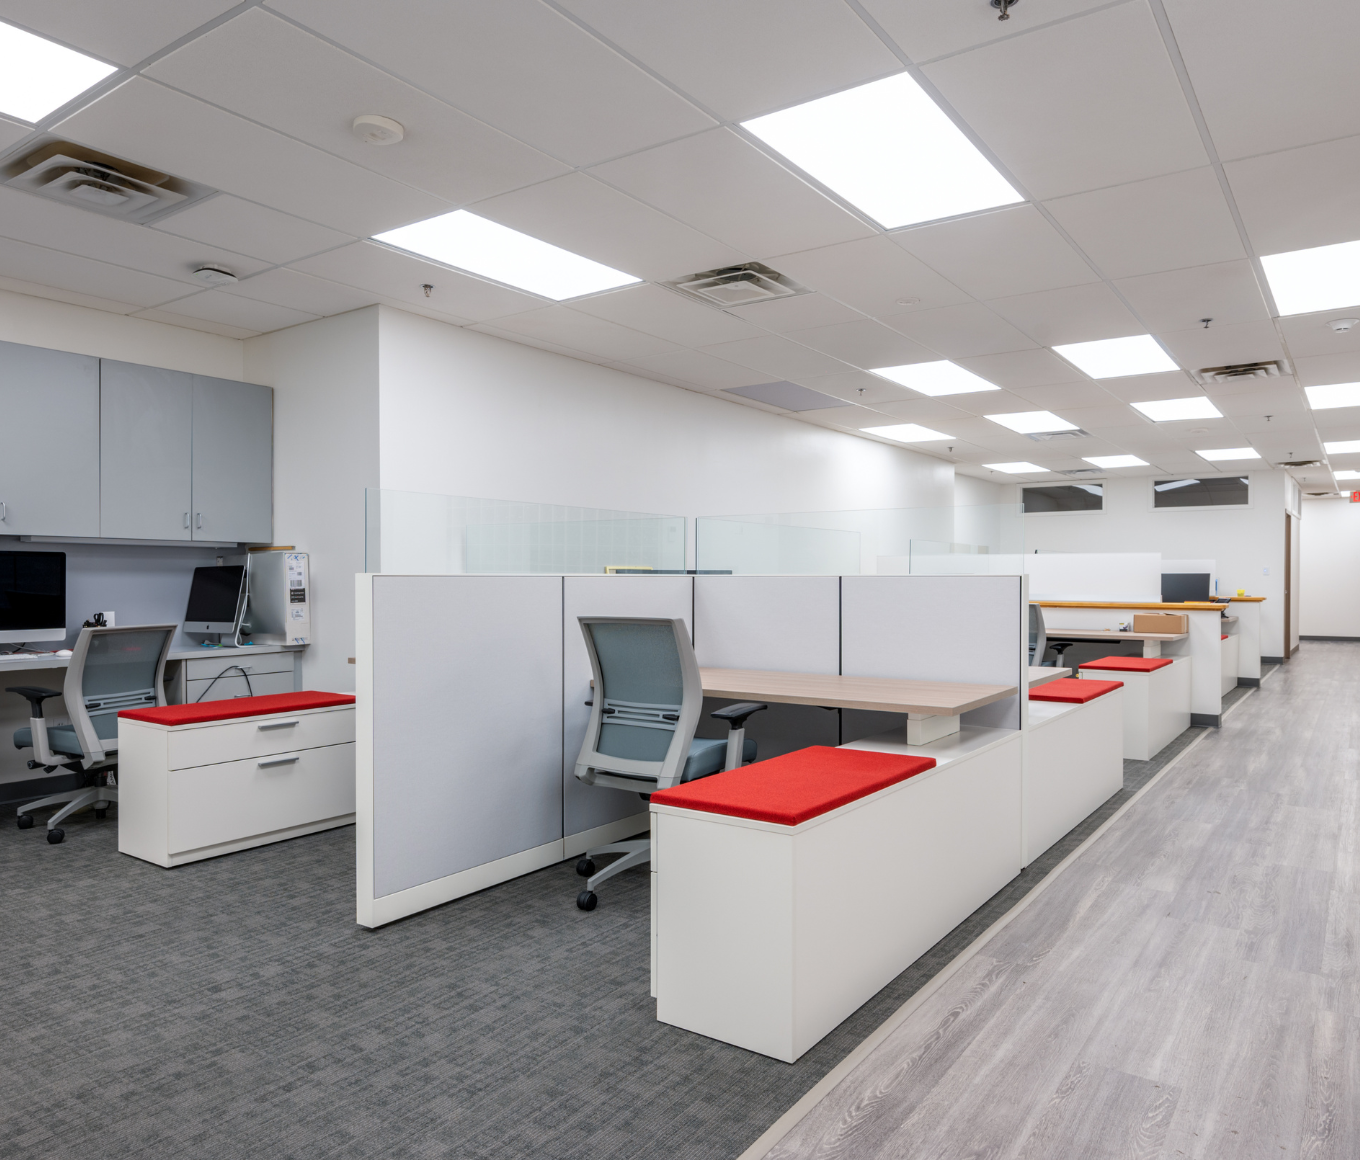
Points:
(783, 624)
(592, 815)
(1133, 576)
(459, 736)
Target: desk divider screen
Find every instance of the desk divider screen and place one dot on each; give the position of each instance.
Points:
(470, 691)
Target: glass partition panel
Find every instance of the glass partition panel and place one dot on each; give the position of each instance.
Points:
(416, 532)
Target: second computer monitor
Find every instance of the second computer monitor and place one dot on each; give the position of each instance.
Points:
(215, 599)
(1178, 587)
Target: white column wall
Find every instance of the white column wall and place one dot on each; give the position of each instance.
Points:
(1329, 566)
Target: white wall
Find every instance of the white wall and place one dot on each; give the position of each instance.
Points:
(1329, 569)
(63, 326)
(1244, 541)
(325, 380)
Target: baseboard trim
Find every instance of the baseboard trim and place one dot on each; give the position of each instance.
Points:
(1206, 720)
(1272, 660)
(576, 844)
(1249, 682)
(1338, 639)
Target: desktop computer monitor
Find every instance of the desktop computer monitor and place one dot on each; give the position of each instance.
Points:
(32, 596)
(1178, 587)
(215, 599)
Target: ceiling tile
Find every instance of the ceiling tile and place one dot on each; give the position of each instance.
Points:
(1164, 223)
(1299, 198)
(960, 331)
(705, 370)
(933, 413)
(1226, 292)
(234, 310)
(1322, 370)
(1110, 416)
(595, 220)
(597, 336)
(861, 387)
(1101, 102)
(725, 187)
(990, 403)
(856, 418)
(865, 344)
(1309, 334)
(787, 396)
(992, 255)
(275, 73)
(203, 324)
(1142, 388)
(776, 356)
(1019, 369)
(1268, 76)
(10, 132)
(1075, 314)
(48, 267)
(247, 228)
(74, 297)
(1083, 394)
(872, 275)
(803, 310)
(1279, 399)
(741, 60)
(400, 277)
(302, 292)
(666, 314)
(926, 31)
(515, 64)
(152, 125)
(123, 33)
(1222, 345)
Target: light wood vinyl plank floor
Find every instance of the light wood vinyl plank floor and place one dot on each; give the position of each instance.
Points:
(1188, 987)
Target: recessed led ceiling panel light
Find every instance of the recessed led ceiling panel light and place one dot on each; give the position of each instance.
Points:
(906, 433)
(1342, 448)
(1017, 468)
(1215, 454)
(1115, 358)
(1322, 278)
(936, 378)
(38, 76)
(1030, 422)
(473, 243)
(1170, 410)
(1108, 461)
(1346, 474)
(1334, 395)
(889, 150)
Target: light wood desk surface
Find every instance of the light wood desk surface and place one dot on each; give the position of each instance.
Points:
(879, 694)
(1188, 606)
(1041, 676)
(1109, 634)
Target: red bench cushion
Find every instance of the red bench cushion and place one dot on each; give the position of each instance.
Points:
(1127, 664)
(1073, 690)
(203, 711)
(797, 786)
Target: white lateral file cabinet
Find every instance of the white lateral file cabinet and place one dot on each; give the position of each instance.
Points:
(196, 781)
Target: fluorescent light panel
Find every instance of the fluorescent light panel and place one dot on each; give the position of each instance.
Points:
(1032, 422)
(1333, 395)
(936, 378)
(38, 76)
(888, 149)
(1322, 278)
(1017, 468)
(1116, 358)
(906, 433)
(1107, 461)
(1172, 410)
(1346, 474)
(484, 247)
(1342, 448)
(1218, 453)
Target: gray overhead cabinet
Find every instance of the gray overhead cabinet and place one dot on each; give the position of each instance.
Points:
(99, 448)
(49, 456)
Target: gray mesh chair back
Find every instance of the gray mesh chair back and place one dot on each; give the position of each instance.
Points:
(647, 702)
(113, 669)
(1038, 636)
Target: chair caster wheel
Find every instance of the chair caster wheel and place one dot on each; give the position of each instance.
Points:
(586, 900)
(25, 821)
(101, 814)
(54, 837)
(585, 867)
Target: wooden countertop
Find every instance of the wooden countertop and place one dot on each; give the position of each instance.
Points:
(1247, 599)
(1188, 606)
(1041, 676)
(1110, 634)
(879, 694)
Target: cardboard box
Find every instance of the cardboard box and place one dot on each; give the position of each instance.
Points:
(1161, 622)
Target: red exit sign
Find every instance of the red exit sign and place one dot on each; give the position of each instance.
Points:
(1355, 497)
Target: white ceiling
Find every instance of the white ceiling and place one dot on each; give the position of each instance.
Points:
(1162, 146)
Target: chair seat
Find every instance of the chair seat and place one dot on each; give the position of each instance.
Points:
(61, 738)
(707, 755)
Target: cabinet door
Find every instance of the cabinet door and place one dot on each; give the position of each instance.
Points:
(233, 461)
(145, 452)
(49, 462)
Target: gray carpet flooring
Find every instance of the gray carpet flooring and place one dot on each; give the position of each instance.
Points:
(232, 1009)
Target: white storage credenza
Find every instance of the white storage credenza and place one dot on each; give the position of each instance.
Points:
(1157, 699)
(196, 781)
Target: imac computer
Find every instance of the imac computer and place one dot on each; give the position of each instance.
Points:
(216, 599)
(32, 596)
(1178, 587)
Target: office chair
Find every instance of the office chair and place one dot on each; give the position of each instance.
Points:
(646, 706)
(1039, 644)
(110, 669)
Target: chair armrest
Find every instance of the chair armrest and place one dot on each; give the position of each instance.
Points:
(35, 696)
(735, 715)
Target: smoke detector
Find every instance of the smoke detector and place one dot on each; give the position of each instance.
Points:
(372, 129)
(1341, 325)
(87, 179)
(737, 285)
(1238, 371)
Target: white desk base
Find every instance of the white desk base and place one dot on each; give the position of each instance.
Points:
(1156, 705)
(768, 936)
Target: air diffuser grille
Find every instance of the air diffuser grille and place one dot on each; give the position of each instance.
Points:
(737, 285)
(1237, 371)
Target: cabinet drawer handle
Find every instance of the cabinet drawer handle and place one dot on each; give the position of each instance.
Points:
(186, 519)
(4, 511)
(276, 725)
(199, 520)
(276, 761)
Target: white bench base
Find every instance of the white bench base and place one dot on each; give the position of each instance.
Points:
(1156, 705)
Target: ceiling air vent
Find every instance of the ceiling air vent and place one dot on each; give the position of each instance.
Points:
(1047, 436)
(1301, 463)
(87, 179)
(738, 285)
(1080, 471)
(1237, 371)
